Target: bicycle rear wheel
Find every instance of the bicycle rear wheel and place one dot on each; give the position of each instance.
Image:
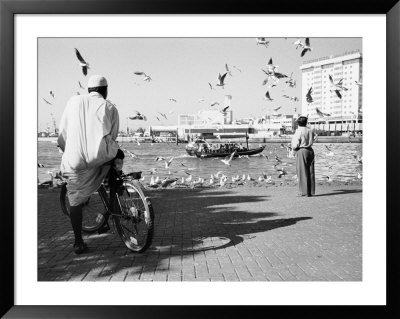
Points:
(90, 209)
(134, 217)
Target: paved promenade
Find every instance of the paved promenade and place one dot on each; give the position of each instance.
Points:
(241, 234)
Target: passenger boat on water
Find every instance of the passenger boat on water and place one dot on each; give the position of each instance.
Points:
(202, 149)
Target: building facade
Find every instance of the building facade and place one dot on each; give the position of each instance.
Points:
(342, 111)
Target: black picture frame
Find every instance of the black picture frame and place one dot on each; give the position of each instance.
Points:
(8, 10)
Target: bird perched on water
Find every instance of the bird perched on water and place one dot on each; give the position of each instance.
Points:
(358, 158)
(84, 65)
(222, 181)
(262, 41)
(172, 100)
(267, 97)
(160, 158)
(153, 170)
(306, 47)
(40, 165)
(227, 160)
(282, 172)
(309, 97)
(167, 181)
(138, 116)
(46, 101)
(330, 153)
(221, 79)
(328, 178)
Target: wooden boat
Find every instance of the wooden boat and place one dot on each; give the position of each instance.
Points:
(253, 151)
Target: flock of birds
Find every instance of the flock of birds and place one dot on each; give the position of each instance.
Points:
(219, 179)
(272, 79)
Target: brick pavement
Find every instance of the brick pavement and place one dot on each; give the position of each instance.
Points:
(239, 234)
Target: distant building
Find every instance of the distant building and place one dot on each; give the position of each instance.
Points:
(344, 110)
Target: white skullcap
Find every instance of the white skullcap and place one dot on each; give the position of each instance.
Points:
(302, 115)
(97, 80)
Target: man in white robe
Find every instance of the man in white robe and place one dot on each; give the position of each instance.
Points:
(88, 132)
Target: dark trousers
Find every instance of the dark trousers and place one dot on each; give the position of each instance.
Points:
(305, 171)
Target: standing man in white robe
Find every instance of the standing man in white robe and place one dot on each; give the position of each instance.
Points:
(88, 132)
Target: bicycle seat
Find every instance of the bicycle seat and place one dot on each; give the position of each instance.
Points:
(134, 175)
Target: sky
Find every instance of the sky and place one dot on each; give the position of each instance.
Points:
(181, 69)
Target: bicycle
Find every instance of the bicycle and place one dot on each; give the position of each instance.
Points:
(125, 201)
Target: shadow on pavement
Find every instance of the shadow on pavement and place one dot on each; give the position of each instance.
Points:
(187, 222)
(340, 192)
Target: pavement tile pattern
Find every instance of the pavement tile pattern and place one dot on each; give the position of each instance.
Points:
(246, 233)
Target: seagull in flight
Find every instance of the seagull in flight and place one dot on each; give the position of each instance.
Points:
(145, 76)
(168, 163)
(227, 69)
(211, 87)
(80, 85)
(52, 94)
(309, 97)
(277, 109)
(225, 108)
(267, 97)
(82, 62)
(338, 86)
(46, 101)
(306, 47)
(138, 116)
(358, 83)
(321, 114)
(214, 103)
(298, 43)
(163, 115)
(173, 100)
(221, 79)
(262, 41)
(227, 161)
(237, 68)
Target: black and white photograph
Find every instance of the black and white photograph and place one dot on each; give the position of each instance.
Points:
(200, 159)
(177, 158)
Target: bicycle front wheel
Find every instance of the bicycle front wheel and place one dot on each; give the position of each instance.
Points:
(90, 209)
(134, 217)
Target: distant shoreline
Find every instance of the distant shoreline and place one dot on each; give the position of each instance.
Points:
(282, 139)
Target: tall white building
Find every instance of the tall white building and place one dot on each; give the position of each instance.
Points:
(315, 74)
